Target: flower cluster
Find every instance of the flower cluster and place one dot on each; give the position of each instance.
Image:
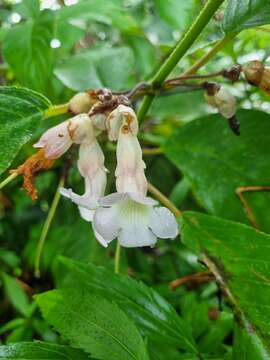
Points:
(127, 214)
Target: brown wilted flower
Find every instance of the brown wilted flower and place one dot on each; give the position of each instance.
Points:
(30, 168)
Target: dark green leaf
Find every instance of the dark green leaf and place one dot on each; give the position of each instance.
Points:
(109, 67)
(21, 111)
(243, 14)
(217, 162)
(239, 257)
(152, 314)
(39, 350)
(93, 324)
(28, 52)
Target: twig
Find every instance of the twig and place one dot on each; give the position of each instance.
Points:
(240, 193)
(179, 51)
(163, 199)
(197, 278)
(215, 49)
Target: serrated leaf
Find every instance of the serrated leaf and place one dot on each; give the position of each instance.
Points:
(92, 323)
(20, 112)
(217, 162)
(239, 257)
(247, 346)
(104, 67)
(153, 315)
(41, 351)
(243, 14)
(28, 52)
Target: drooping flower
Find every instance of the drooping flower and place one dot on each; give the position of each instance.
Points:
(128, 214)
(91, 167)
(57, 140)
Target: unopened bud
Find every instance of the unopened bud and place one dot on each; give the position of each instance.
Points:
(225, 102)
(81, 103)
(258, 74)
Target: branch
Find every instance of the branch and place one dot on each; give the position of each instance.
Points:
(179, 51)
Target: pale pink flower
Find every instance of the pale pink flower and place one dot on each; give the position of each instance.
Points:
(128, 214)
(58, 139)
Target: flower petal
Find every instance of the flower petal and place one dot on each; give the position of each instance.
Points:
(136, 236)
(55, 141)
(142, 199)
(99, 238)
(86, 214)
(163, 223)
(112, 199)
(106, 223)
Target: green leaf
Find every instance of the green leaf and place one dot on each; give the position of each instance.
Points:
(151, 313)
(93, 324)
(178, 14)
(28, 52)
(28, 8)
(217, 162)
(108, 12)
(248, 346)
(21, 111)
(16, 294)
(41, 351)
(104, 67)
(239, 258)
(243, 14)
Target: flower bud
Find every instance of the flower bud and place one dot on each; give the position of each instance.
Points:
(225, 102)
(81, 103)
(221, 99)
(258, 74)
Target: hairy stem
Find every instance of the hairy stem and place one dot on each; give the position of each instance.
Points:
(47, 226)
(163, 199)
(179, 51)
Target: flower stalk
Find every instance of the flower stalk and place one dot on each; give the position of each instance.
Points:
(47, 226)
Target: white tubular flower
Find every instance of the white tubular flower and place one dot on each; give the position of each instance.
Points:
(58, 139)
(134, 220)
(91, 167)
(122, 114)
(128, 214)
